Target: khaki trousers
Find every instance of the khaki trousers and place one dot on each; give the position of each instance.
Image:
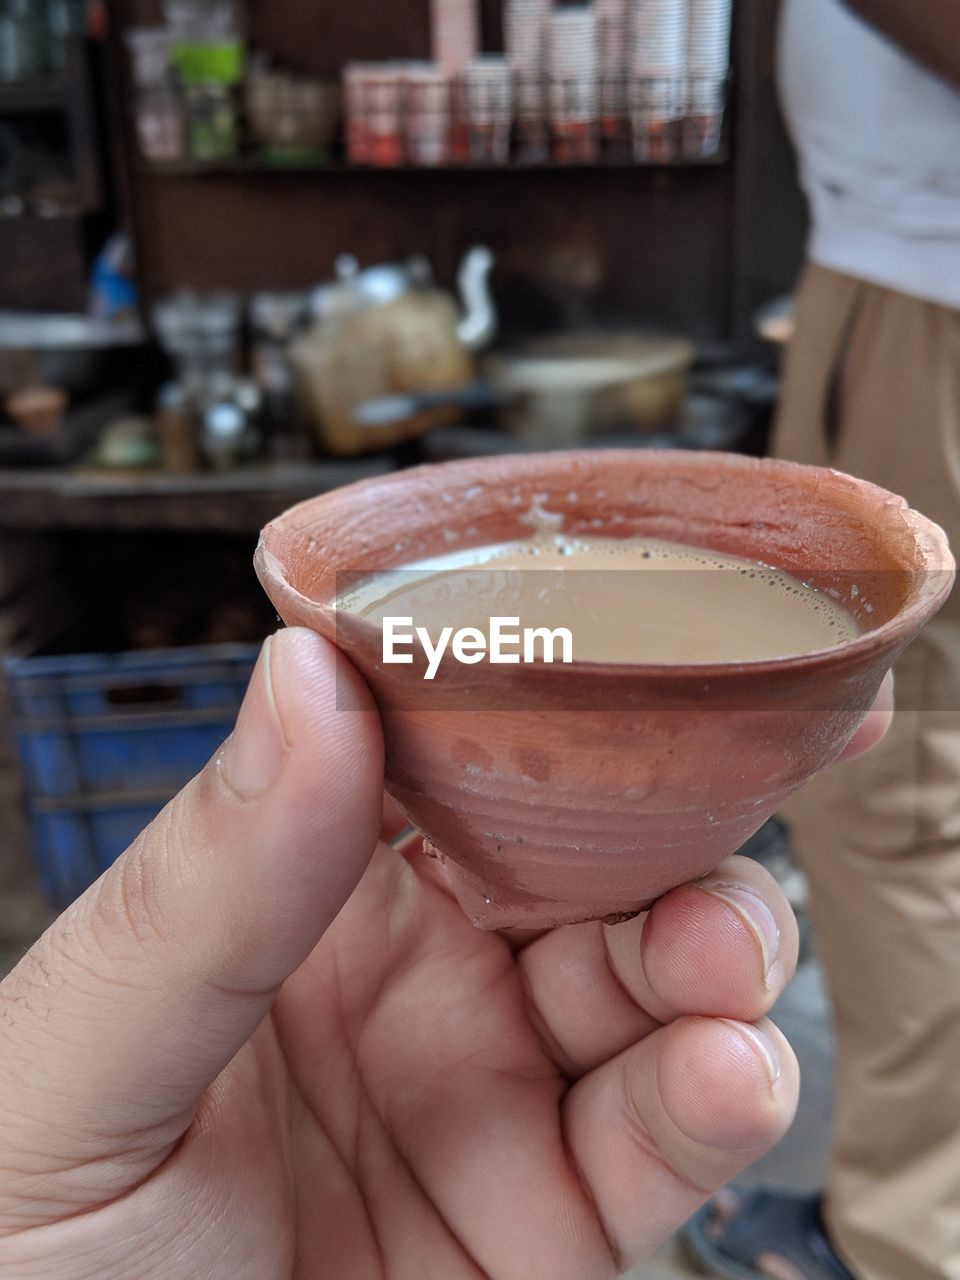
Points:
(873, 388)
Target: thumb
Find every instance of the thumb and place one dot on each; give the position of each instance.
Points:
(128, 1008)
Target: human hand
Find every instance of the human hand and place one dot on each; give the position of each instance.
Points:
(264, 1046)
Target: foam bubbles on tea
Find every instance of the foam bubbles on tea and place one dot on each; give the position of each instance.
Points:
(624, 600)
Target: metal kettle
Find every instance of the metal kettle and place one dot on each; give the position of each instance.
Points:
(390, 283)
(386, 330)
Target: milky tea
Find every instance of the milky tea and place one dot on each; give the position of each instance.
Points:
(621, 601)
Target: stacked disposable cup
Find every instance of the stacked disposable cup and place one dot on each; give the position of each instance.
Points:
(373, 92)
(708, 61)
(708, 38)
(428, 113)
(658, 76)
(613, 34)
(355, 77)
(573, 83)
(525, 29)
(486, 104)
(455, 29)
(658, 38)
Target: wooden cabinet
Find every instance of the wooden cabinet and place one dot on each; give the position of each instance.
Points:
(52, 226)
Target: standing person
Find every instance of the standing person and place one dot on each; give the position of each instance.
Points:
(871, 90)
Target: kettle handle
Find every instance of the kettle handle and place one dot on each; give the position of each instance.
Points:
(478, 327)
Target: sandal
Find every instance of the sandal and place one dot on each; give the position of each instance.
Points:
(763, 1225)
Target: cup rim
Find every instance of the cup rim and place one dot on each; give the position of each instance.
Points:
(926, 601)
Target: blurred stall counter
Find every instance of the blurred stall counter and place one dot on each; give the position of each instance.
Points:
(239, 501)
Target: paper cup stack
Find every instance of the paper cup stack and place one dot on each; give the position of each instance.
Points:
(455, 28)
(613, 34)
(486, 102)
(373, 95)
(573, 67)
(525, 30)
(658, 75)
(708, 61)
(428, 113)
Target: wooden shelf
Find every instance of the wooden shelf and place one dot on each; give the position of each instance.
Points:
(256, 166)
(32, 96)
(239, 501)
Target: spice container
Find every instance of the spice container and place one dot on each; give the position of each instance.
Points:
(292, 117)
(159, 110)
(149, 49)
(211, 121)
(177, 431)
(207, 51)
(160, 124)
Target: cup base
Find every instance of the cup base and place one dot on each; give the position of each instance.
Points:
(486, 911)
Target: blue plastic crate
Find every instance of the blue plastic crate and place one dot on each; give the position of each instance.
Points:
(75, 844)
(106, 741)
(86, 757)
(62, 688)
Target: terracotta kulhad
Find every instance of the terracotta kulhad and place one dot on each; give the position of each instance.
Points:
(559, 794)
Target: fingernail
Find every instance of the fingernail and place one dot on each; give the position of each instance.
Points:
(755, 914)
(253, 755)
(762, 1044)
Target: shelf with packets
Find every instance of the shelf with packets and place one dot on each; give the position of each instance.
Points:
(406, 119)
(613, 82)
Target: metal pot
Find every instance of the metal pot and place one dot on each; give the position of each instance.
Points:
(565, 390)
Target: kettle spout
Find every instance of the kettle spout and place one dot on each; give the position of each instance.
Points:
(478, 327)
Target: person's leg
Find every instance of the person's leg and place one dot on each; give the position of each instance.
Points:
(880, 838)
(881, 845)
(826, 306)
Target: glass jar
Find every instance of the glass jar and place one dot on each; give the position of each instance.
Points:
(211, 121)
(160, 123)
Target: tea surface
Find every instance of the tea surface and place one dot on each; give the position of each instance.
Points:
(627, 600)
